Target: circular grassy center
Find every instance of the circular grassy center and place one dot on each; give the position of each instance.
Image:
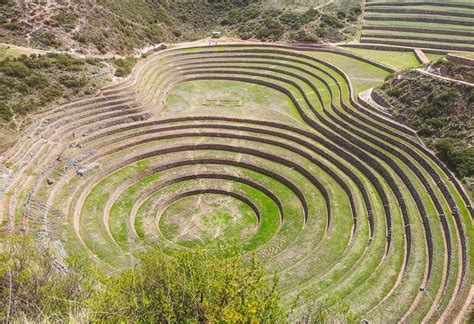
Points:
(205, 219)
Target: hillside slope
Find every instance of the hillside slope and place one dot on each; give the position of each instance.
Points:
(441, 111)
(119, 26)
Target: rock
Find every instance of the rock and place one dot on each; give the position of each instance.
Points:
(87, 169)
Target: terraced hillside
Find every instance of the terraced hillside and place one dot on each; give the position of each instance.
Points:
(269, 149)
(439, 25)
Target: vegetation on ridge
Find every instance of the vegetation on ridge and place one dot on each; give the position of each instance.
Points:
(122, 26)
(195, 286)
(29, 84)
(179, 286)
(441, 111)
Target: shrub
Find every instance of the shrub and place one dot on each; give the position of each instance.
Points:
(394, 92)
(291, 19)
(13, 25)
(341, 14)
(52, 93)
(37, 81)
(354, 14)
(67, 20)
(189, 286)
(183, 286)
(270, 29)
(64, 61)
(309, 15)
(48, 39)
(124, 66)
(331, 21)
(80, 37)
(15, 69)
(6, 113)
(303, 36)
(31, 288)
(70, 81)
(154, 33)
(356, 11)
(457, 155)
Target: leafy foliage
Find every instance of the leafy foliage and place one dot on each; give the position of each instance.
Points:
(119, 26)
(32, 83)
(441, 112)
(189, 286)
(65, 19)
(455, 154)
(49, 39)
(31, 288)
(124, 66)
(184, 286)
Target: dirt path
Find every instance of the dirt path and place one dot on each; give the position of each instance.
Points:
(322, 5)
(444, 78)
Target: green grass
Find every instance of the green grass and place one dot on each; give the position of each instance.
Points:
(433, 57)
(396, 16)
(14, 51)
(433, 35)
(465, 54)
(427, 44)
(427, 7)
(434, 26)
(332, 267)
(438, 235)
(362, 75)
(399, 60)
(256, 100)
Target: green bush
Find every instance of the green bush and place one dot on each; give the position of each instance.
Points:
(67, 20)
(124, 66)
(154, 33)
(189, 287)
(6, 113)
(331, 21)
(52, 93)
(13, 25)
(395, 92)
(80, 37)
(37, 81)
(354, 14)
(70, 81)
(291, 19)
(270, 29)
(182, 287)
(49, 39)
(309, 15)
(31, 288)
(15, 69)
(303, 36)
(457, 155)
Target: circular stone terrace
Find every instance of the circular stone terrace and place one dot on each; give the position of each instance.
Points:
(263, 146)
